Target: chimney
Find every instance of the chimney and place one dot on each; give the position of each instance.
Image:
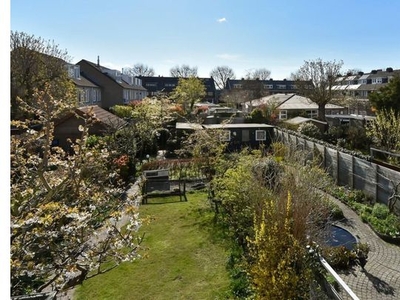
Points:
(98, 61)
(389, 69)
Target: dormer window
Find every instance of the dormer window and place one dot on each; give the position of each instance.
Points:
(376, 80)
(74, 71)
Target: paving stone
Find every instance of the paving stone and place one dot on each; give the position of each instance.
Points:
(381, 277)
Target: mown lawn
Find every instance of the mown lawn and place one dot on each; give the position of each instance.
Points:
(185, 258)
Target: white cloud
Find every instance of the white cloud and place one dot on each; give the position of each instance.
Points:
(221, 20)
(228, 56)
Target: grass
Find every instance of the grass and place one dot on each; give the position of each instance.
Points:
(185, 258)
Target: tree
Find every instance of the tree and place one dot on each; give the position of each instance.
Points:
(385, 130)
(65, 208)
(34, 62)
(254, 89)
(221, 74)
(184, 71)
(261, 74)
(188, 92)
(388, 96)
(265, 113)
(251, 89)
(315, 80)
(139, 70)
(206, 147)
(146, 121)
(233, 97)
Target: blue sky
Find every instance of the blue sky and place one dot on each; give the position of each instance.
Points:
(277, 35)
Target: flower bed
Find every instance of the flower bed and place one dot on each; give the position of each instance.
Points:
(384, 223)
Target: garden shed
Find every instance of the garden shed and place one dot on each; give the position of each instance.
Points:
(238, 135)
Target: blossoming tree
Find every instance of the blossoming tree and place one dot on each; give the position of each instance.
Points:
(66, 209)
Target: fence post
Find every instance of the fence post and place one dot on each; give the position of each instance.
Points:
(376, 183)
(337, 167)
(352, 172)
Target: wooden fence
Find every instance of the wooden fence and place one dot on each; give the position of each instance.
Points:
(347, 170)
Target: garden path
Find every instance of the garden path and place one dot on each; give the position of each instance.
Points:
(380, 278)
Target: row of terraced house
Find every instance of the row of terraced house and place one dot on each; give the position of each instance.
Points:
(102, 88)
(107, 87)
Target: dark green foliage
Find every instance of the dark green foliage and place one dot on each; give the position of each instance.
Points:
(256, 116)
(357, 138)
(388, 96)
(240, 285)
(334, 133)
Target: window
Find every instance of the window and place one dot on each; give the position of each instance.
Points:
(98, 95)
(268, 86)
(74, 71)
(87, 96)
(237, 86)
(210, 94)
(261, 135)
(376, 80)
(281, 86)
(225, 136)
(282, 115)
(312, 113)
(81, 96)
(154, 84)
(169, 84)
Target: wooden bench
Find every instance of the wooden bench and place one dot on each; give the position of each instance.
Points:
(148, 190)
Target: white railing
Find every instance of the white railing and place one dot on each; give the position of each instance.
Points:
(338, 279)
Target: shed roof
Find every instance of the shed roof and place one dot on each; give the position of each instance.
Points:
(194, 126)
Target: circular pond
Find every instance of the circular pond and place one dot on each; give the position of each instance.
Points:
(338, 236)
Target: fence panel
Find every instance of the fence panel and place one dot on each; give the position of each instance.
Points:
(365, 176)
(331, 162)
(384, 185)
(349, 170)
(345, 170)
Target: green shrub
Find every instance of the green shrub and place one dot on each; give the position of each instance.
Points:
(358, 196)
(380, 211)
(367, 209)
(311, 130)
(336, 212)
(389, 226)
(339, 192)
(339, 257)
(365, 217)
(358, 207)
